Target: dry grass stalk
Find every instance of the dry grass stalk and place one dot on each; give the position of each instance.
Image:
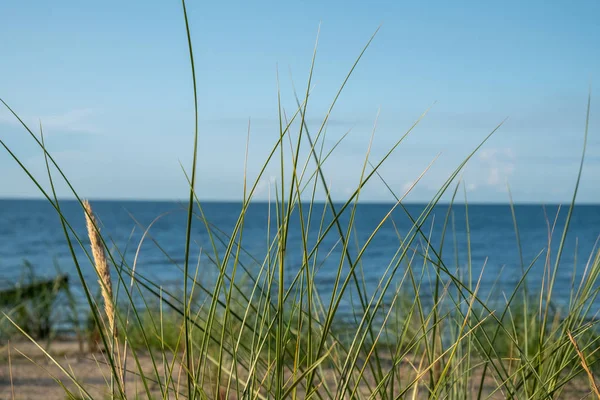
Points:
(585, 366)
(12, 386)
(101, 266)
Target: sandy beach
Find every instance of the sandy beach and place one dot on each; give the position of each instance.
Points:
(30, 374)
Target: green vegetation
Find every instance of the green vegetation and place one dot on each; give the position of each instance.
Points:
(251, 334)
(37, 305)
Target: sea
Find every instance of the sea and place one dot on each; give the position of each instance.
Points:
(480, 243)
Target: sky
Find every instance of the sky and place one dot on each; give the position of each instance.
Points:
(111, 84)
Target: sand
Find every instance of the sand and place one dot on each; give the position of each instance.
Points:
(27, 373)
(33, 378)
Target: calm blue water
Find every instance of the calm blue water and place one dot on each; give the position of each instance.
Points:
(30, 231)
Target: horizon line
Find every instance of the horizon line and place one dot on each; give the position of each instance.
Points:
(232, 201)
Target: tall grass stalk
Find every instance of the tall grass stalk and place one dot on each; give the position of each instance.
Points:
(103, 272)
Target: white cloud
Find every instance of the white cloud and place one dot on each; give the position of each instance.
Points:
(493, 177)
(406, 187)
(497, 165)
(264, 187)
(76, 120)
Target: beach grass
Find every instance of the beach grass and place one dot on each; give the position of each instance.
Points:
(264, 331)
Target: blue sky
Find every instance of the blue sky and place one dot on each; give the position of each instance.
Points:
(110, 82)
